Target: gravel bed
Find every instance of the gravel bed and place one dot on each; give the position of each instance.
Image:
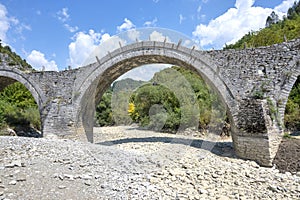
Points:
(128, 163)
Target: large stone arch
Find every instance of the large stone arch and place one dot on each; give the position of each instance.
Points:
(101, 74)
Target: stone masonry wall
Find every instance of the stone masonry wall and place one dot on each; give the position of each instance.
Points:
(57, 113)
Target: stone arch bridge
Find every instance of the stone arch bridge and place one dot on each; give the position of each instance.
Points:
(253, 83)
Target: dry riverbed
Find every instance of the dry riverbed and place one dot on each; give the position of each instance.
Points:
(128, 163)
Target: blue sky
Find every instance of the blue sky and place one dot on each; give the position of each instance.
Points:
(58, 33)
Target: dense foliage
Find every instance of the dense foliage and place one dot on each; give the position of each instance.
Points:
(156, 107)
(113, 106)
(278, 31)
(104, 111)
(18, 108)
(176, 98)
(127, 84)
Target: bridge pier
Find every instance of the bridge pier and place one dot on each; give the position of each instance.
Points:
(57, 119)
(256, 135)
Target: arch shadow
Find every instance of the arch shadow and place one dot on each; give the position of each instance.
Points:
(224, 149)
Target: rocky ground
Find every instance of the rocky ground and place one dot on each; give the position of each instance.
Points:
(288, 155)
(127, 163)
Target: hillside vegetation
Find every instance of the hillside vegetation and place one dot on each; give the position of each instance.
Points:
(12, 59)
(276, 31)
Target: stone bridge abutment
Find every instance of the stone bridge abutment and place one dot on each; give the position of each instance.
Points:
(254, 84)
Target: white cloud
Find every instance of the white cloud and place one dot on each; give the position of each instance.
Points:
(244, 4)
(8, 22)
(133, 34)
(155, 1)
(151, 23)
(82, 46)
(105, 37)
(187, 43)
(63, 15)
(86, 46)
(72, 29)
(235, 23)
(14, 20)
(38, 61)
(4, 23)
(157, 36)
(199, 9)
(284, 6)
(201, 17)
(205, 1)
(20, 28)
(127, 25)
(181, 18)
(107, 44)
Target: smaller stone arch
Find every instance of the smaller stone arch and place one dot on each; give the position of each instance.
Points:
(11, 75)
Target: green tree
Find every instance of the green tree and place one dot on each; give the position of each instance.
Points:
(113, 106)
(18, 107)
(272, 19)
(104, 111)
(156, 103)
(294, 10)
(149, 97)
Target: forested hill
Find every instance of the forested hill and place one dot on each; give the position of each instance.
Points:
(127, 84)
(276, 31)
(12, 59)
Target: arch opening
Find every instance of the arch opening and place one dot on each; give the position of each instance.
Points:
(132, 100)
(19, 110)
